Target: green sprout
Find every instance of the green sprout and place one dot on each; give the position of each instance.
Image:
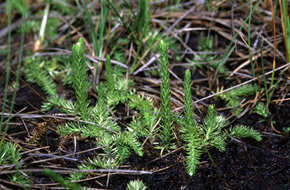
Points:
(136, 185)
(166, 135)
(262, 110)
(80, 78)
(190, 131)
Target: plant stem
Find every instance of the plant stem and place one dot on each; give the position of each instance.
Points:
(80, 79)
(166, 133)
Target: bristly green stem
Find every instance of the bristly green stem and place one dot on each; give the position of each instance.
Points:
(80, 78)
(189, 116)
(166, 133)
(190, 130)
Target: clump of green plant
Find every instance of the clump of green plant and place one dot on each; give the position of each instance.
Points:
(199, 138)
(10, 154)
(37, 71)
(235, 96)
(114, 91)
(136, 185)
(143, 17)
(44, 71)
(211, 134)
(120, 144)
(262, 110)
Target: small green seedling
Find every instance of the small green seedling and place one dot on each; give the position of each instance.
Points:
(262, 110)
(136, 185)
(166, 135)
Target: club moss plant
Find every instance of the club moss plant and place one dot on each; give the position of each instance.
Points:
(120, 144)
(212, 133)
(191, 133)
(10, 154)
(234, 97)
(44, 71)
(112, 92)
(166, 135)
(80, 79)
(262, 110)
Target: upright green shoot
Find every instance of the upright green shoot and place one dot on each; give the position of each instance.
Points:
(189, 116)
(210, 134)
(190, 130)
(166, 135)
(80, 78)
